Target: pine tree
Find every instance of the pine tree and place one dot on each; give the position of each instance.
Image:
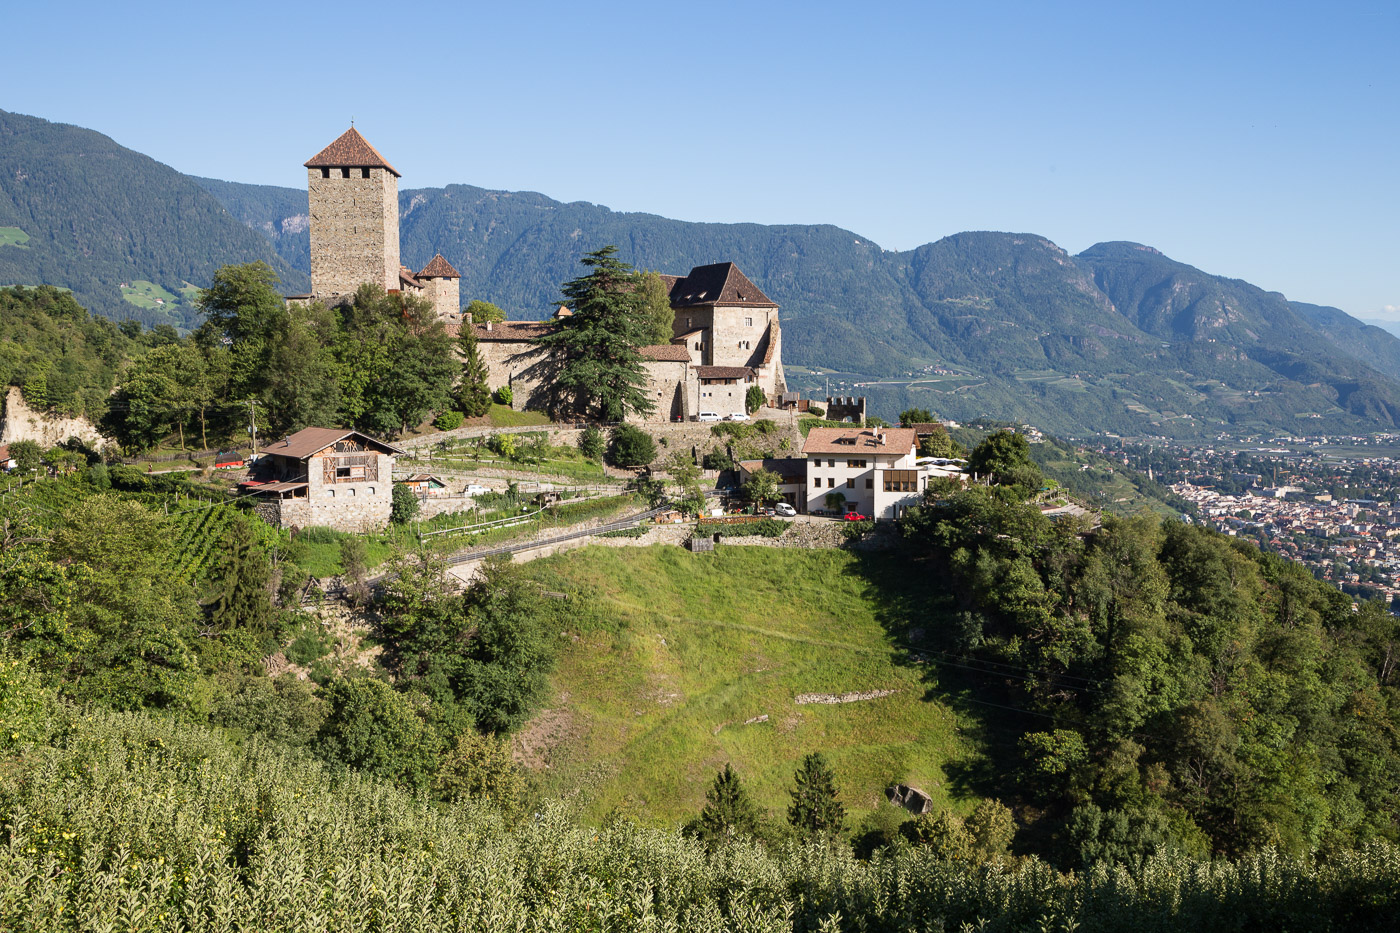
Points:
(728, 811)
(473, 394)
(600, 370)
(815, 811)
(244, 598)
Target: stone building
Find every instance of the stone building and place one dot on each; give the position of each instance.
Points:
(353, 196)
(726, 340)
(336, 477)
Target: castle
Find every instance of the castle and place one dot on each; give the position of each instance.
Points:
(354, 206)
(726, 336)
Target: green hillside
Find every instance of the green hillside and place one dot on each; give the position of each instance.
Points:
(88, 214)
(673, 655)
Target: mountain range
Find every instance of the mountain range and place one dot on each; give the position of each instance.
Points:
(1118, 338)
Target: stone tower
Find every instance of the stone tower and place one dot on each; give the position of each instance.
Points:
(442, 286)
(354, 199)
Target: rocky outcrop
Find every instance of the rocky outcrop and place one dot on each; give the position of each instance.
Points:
(22, 423)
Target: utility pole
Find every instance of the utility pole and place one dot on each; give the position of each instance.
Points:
(253, 426)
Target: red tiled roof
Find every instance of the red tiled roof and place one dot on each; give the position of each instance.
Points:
(898, 442)
(439, 268)
(723, 372)
(718, 283)
(310, 441)
(672, 353)
(406, 278)
(350, 150)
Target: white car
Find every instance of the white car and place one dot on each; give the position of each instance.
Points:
(785, 509)
(708, 416)
(737, 416)
(475, 489)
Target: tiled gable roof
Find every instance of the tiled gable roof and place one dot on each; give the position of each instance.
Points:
(894, 442)
(723, 372)
(310, 441)
(350, 150)
(439, 268)
(671, 353)
(718, 283)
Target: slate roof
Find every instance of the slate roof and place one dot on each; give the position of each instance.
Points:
(718, 283)
(669, 352)
(898, 442)
(439, 268)
(310, 441)
(723, 372)
(350, 150)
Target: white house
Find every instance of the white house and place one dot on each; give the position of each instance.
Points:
(872, 470)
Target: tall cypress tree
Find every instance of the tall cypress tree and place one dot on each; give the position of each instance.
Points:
(244, 599)
(600, 369)
(473, 394)
(815, 811)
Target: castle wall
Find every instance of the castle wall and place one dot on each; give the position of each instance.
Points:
(354, 230)
(513, 363)
(669, 387)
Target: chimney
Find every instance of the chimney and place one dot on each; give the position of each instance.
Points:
(488, 326)
(469, 317)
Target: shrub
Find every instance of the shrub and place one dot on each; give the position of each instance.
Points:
(449, 421)
(754, 399)
(816, 411)
(591, 443)
(763, 527)
(405, 505)
(630, 446)
(503, 395)
(717, 460)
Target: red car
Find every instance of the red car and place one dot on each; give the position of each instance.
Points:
(855, 517)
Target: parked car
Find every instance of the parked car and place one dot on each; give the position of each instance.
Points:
(737, 416)
(854, 517)
(475, 489)
(708, 416)
(785, 509)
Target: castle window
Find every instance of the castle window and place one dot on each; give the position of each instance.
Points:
(748, 322)
(345, 173)
(352, 490)
(331, 493)
(325, 173)
(364, 173)
(371, 489)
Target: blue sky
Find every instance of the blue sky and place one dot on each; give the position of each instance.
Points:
(1256, 140)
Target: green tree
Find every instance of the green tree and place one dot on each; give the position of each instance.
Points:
(1005, 456)
(754, 399)
(992, 827)
(912, 416)
(503, 396)
(28, 456)
(404, 507)
(353, 563)
(630, 446)
(728, 812)
(374, 729)
(685, 474)
(242, 304)
(762, 486)
(600, 372)
(944, 834)
(473, 395)
(591, 443)
(244, 584)
(815, 811)
(483, 312)
(941, 444)
(302, 385)
(480, 767)
(654, 301)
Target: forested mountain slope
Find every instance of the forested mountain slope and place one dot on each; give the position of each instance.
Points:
(1119, 338)
(79, 211)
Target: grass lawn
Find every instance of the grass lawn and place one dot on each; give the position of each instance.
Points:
(503, 416)
(670, 653)
(14, 236)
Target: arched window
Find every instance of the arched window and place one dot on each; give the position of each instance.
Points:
(371, 490)
(350, 491)
(331, 493)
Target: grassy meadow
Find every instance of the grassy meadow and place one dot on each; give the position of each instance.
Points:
(673, 655)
